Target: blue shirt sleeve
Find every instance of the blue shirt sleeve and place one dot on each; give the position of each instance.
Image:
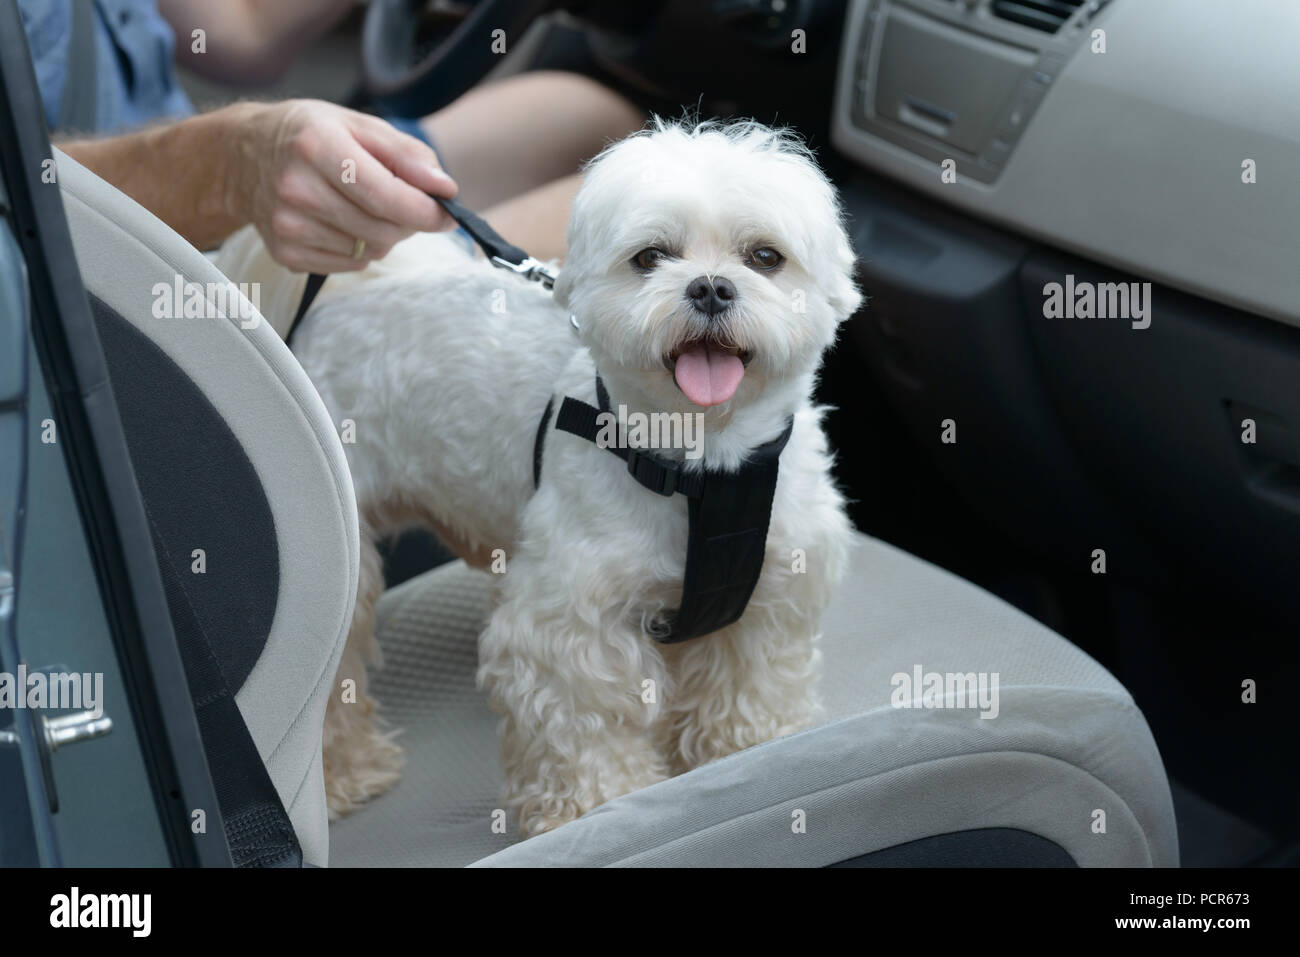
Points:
(135, 75)
(48, 25)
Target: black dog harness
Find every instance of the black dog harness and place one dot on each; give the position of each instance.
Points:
(729, 512)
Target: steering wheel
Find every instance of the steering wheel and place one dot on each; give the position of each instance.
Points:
(419, 55)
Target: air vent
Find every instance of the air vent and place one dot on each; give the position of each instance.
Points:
(1046, 15)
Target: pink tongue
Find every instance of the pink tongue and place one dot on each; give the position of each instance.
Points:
(708, 376)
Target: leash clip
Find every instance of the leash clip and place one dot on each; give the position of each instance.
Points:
(530, 268)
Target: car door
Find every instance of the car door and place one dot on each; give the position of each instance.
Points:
(100, 757)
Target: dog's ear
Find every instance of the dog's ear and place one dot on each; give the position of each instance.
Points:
(843, 296)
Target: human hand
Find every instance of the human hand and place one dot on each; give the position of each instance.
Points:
(315, 178)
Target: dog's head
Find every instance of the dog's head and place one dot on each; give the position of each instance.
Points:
(707, 264)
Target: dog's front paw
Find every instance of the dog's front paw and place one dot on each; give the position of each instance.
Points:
(533, 824)
(540, 811)
(361, 762)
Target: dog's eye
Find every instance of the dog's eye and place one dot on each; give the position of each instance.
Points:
(648, 258)
(764, 258)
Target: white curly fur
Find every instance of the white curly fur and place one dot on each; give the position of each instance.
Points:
(444, 364)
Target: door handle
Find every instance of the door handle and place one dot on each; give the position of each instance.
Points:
(66, 729)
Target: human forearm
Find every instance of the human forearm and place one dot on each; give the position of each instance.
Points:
(185, 172)
(328, 188)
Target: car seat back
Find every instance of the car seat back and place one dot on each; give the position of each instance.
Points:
(242, 475)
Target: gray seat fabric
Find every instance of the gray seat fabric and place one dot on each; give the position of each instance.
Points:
(1068, 757)
(261, 393)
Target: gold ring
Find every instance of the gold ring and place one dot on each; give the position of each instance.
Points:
(358, 247)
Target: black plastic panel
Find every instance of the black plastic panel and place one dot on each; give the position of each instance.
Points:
(945, 334)
(982, 847)
(1158, 414)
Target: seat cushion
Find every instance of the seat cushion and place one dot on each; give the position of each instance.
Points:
(1066, 743)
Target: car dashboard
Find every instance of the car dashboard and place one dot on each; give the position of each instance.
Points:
(1124, 131)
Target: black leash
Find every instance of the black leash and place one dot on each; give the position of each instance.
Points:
(500, 253)
(729, 514)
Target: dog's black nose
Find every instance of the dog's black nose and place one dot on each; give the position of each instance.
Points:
(711, 296)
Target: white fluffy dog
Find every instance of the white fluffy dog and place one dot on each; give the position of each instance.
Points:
(445, 365)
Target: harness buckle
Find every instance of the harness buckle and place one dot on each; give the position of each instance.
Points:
(652, 472)
(530, 268)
